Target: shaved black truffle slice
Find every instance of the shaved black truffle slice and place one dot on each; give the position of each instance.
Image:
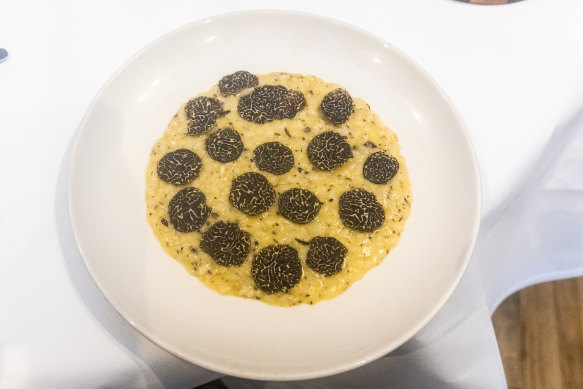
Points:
(328, 151)
(188, 210)
(326, 255)
(270, 102)
(224, 145)
(299, 205)
(274, 158)
(360, 210)
(236, 82)
(379, 167)
(226, 244)
(337, 106)
(297, 102)
(179, 167)
(251, 193)
(276, 268)
(202, 113)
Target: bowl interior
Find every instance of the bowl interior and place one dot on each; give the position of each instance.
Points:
(242, 337)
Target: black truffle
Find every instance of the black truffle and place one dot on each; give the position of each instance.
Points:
(379, 167)
(179, 167)
(276, 268)
(236, 82)
(226, 244)
(224, 145)
(188, 210)
(297, 102)
(360, 210)
(299, 205)
(328, 150)
(337, 106)
(202, 113)
(326, 255)
(251, 193)
(274, 158)
(270, 102)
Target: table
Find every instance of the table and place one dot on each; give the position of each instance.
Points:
(513, 71)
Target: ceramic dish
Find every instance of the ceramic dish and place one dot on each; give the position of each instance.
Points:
(242, 337)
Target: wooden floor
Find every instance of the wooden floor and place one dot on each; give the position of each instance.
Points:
(540, 335)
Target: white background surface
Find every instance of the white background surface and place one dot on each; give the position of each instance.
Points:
(513, 71)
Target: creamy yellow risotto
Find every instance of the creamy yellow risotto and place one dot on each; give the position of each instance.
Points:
(283, 194)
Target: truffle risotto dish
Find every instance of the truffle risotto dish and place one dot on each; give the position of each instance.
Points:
(277, 187)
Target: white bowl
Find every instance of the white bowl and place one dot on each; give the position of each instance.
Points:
(243, 337)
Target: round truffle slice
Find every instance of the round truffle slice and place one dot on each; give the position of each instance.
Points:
(328, 151)
(188, 210)
(236, 82)
(297, 102)
(276, 269)
(379, 167)
(360, 210)
(251, 193)
(270, 102)
(326, 255)
(226, 244)
(299, 205)
(202, 113)
(179, 167)
(274, 158)
(337, 106)
(224, 145)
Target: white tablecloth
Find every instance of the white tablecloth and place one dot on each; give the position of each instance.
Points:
(513, 71)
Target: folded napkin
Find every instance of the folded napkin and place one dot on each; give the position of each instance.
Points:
(533, 236)
(537, 235)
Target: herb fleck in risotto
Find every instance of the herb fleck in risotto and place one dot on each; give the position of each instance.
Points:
(277, 187)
